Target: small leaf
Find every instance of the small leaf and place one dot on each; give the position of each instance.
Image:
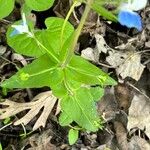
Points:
(6, 7)
(39, 5)
(7, 120)
(44, 100)
(73, 136)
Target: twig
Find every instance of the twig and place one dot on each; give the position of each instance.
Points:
(105, 65)
(146, 62)
(5, 126)
(9, 62)
(5, 21)
(131, 85)
(144, 51)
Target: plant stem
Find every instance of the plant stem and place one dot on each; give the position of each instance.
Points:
(77, 32)
(66, 19)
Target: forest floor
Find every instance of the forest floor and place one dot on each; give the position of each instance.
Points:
(123, 53)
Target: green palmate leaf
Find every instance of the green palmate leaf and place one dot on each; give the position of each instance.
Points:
(104, 12)
(80, 107)
(65, 48)
(64, 119)
(97, 93)
(59, 90)
(24, 44)
(54, 28)
(49, 38)
(73, 136)
(83, 71)
(6, 7)
(37, 74)
(39, 5)
(64, 88)
(28, 45)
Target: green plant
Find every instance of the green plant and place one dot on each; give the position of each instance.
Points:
(1, 147)
(77, 83)
(38, 5)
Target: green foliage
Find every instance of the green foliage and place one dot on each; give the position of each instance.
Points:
(78, 84)
(80, 106)
(39, 5)
(104, 12)
(7, 121)
(38, 73)
(1, 147)
(97, 93)
(25, 44)
(73, 136)
(6, 6)
(50, 38)
(83, 71)
(65, 119)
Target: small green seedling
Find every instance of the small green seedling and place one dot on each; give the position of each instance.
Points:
(73, 136)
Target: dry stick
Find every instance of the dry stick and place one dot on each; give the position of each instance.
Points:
(9, 62)
(105, 65)
(6, 21)
(146, 62)
(131, 85)
(5, 126)
(144, 51)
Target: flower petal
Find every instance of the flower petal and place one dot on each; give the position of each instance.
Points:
(24, 19)
(14, 32)
(130, 19)
(138, 4)
(20, 28)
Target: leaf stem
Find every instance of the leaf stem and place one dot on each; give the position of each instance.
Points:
(66, 19)
(77, 32)
(75, 128)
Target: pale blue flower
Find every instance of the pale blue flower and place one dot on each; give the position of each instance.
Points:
(128, 17)
(22, 28)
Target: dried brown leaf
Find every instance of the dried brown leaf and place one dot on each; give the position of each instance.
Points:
(40, 141)
(138, 143)
(93, 54)
(127, 64)
(44, 100)
(2, 49)
(139, 114)
(121, 135)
